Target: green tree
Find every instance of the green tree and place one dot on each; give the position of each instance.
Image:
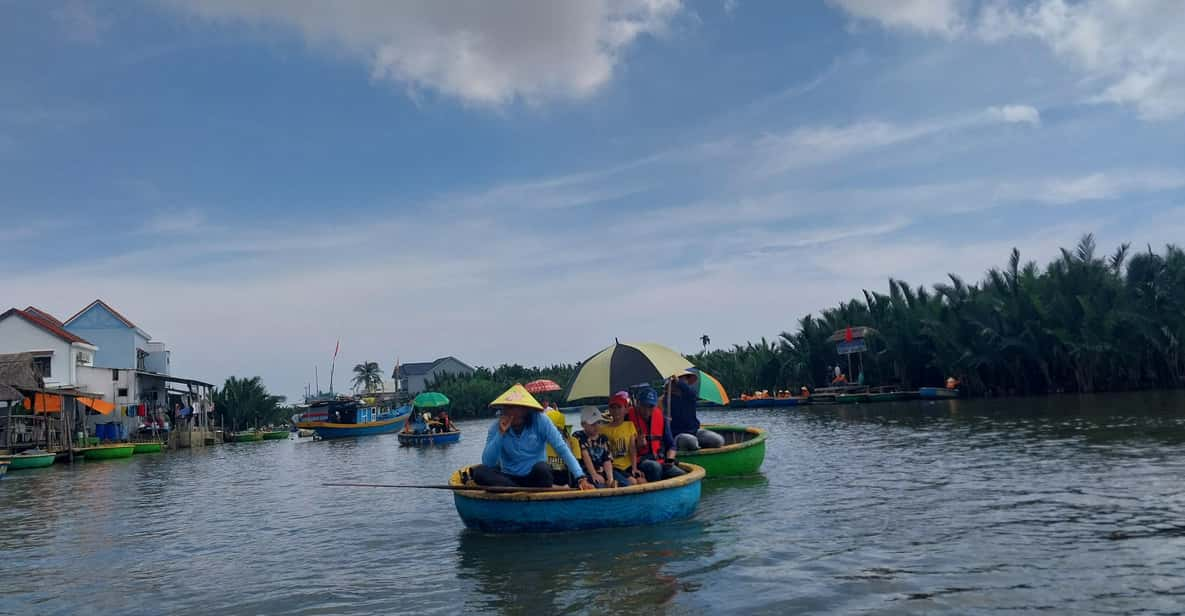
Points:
(368, 377)
(244, 402)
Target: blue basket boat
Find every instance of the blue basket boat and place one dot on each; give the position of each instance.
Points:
(429, 438)
(350, 419)
(937, 393)
(568, 510)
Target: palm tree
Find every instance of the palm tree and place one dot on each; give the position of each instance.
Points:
(705, 340)
(368, 377)
(244, 402)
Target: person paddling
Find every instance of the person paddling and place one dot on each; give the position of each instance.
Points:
(514, 452)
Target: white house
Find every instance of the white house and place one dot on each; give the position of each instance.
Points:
(58, 354)
(413, 378)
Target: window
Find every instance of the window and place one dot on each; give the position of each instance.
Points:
(123, 392)
(114, 374)
(43, 366)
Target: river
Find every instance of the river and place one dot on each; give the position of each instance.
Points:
(1070, 503)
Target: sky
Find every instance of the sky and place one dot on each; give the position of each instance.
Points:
(525, 181)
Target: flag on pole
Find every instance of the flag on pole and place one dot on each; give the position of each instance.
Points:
(847, 335)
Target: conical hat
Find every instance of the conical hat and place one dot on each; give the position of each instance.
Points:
(518, 396)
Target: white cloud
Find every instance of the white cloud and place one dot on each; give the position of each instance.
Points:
(933, 16)
(480, 52)
(1107, 185)
(79, 22)
(1022, 114)
(1131, 50)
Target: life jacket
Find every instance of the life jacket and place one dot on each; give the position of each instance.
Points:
(652, 433)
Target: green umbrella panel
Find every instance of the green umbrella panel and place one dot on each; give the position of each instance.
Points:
(430, 400)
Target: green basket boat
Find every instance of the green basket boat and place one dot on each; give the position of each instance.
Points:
(108, 452)
(247, 437)
(742, 453)
(275, 435)
(149, 447)
(22, 461)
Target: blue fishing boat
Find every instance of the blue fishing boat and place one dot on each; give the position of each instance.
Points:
(937, 393)
(767, 403)
(429, 438)
(568, 510)
(350, 418)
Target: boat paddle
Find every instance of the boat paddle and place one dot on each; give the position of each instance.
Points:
(447, 487)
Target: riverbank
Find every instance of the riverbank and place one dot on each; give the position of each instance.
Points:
(951, 506)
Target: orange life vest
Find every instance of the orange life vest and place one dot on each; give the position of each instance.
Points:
(652, 433)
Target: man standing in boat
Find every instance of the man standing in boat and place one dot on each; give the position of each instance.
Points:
(514, 454)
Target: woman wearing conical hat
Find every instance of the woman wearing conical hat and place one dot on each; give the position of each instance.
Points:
(515, 453)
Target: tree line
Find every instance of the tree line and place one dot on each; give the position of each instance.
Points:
(471, 395)
(1083, 323)
(244, 403)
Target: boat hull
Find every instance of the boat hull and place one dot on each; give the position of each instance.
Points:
(19, 462)
(743, 453)
(247, 437)
(108, 452)
(937, 393)
(328, 430)
(543, 512)
(441, 438)
(275, 435)
(768, 403)
(148, 447)
(851, 398)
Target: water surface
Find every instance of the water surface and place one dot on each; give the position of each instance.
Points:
(1070, 503)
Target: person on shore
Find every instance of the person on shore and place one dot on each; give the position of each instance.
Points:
(656, 446)
(689, 436)
(514, 454)
(622, 437)
(559, 473)
(594, 448)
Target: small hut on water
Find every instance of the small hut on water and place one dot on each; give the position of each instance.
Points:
(31, 416)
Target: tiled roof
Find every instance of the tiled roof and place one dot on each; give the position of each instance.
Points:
(424, 367)
(34, 310)
(36, 317)
(104, 304)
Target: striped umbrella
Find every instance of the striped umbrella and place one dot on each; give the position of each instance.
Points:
(621, 365)
(710, 388)
(542, 385)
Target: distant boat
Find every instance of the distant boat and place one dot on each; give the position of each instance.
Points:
(350, 418)
(742, 453)
(149, 447)
(766, 403)
(108, 452)
(937, 393)
(275, 435)
(429, 438)
(246, 437)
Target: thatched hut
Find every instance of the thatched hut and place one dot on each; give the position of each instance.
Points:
(16, 371)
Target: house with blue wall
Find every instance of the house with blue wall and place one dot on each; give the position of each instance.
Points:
(122, 345)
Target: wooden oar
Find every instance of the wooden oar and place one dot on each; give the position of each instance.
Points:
(452, 488)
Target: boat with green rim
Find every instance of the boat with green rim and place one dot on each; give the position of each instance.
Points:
(108, 452)
(150, 447)
(29, 459)
(247, 437)
(275, 435)
(742, 453)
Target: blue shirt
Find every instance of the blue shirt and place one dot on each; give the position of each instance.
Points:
(683, 400)
(516, 451)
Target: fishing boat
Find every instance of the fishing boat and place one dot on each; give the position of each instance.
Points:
(742, 453)
(350, 418)
(274, 435)
(429, 438)
(34, 458)
(108, 452)
(148, 447)
(937, 393)
(766, 403)
(568, 510)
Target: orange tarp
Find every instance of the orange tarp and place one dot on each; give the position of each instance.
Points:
(101, 406)
(44, 403)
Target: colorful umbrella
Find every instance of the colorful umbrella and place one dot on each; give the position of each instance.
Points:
(621, 365)
(430, 400)
(710, 388)
(542, 385)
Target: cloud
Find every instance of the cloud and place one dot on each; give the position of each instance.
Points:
(488, 53)
(942, 17)
(79, 22)
(185, 221)
(1131, 51)
(1022, 114)
(1107, 185)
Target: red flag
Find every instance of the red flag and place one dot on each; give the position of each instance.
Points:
(847, 335)
(337, 348)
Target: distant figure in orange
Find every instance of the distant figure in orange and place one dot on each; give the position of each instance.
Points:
(952, 382)
(840, 379)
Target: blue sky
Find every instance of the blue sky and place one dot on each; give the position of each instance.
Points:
(524, 181)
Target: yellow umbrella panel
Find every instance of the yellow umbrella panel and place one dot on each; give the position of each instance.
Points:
(623, 364)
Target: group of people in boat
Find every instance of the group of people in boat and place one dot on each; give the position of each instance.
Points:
(635, 442)
(428, 423)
